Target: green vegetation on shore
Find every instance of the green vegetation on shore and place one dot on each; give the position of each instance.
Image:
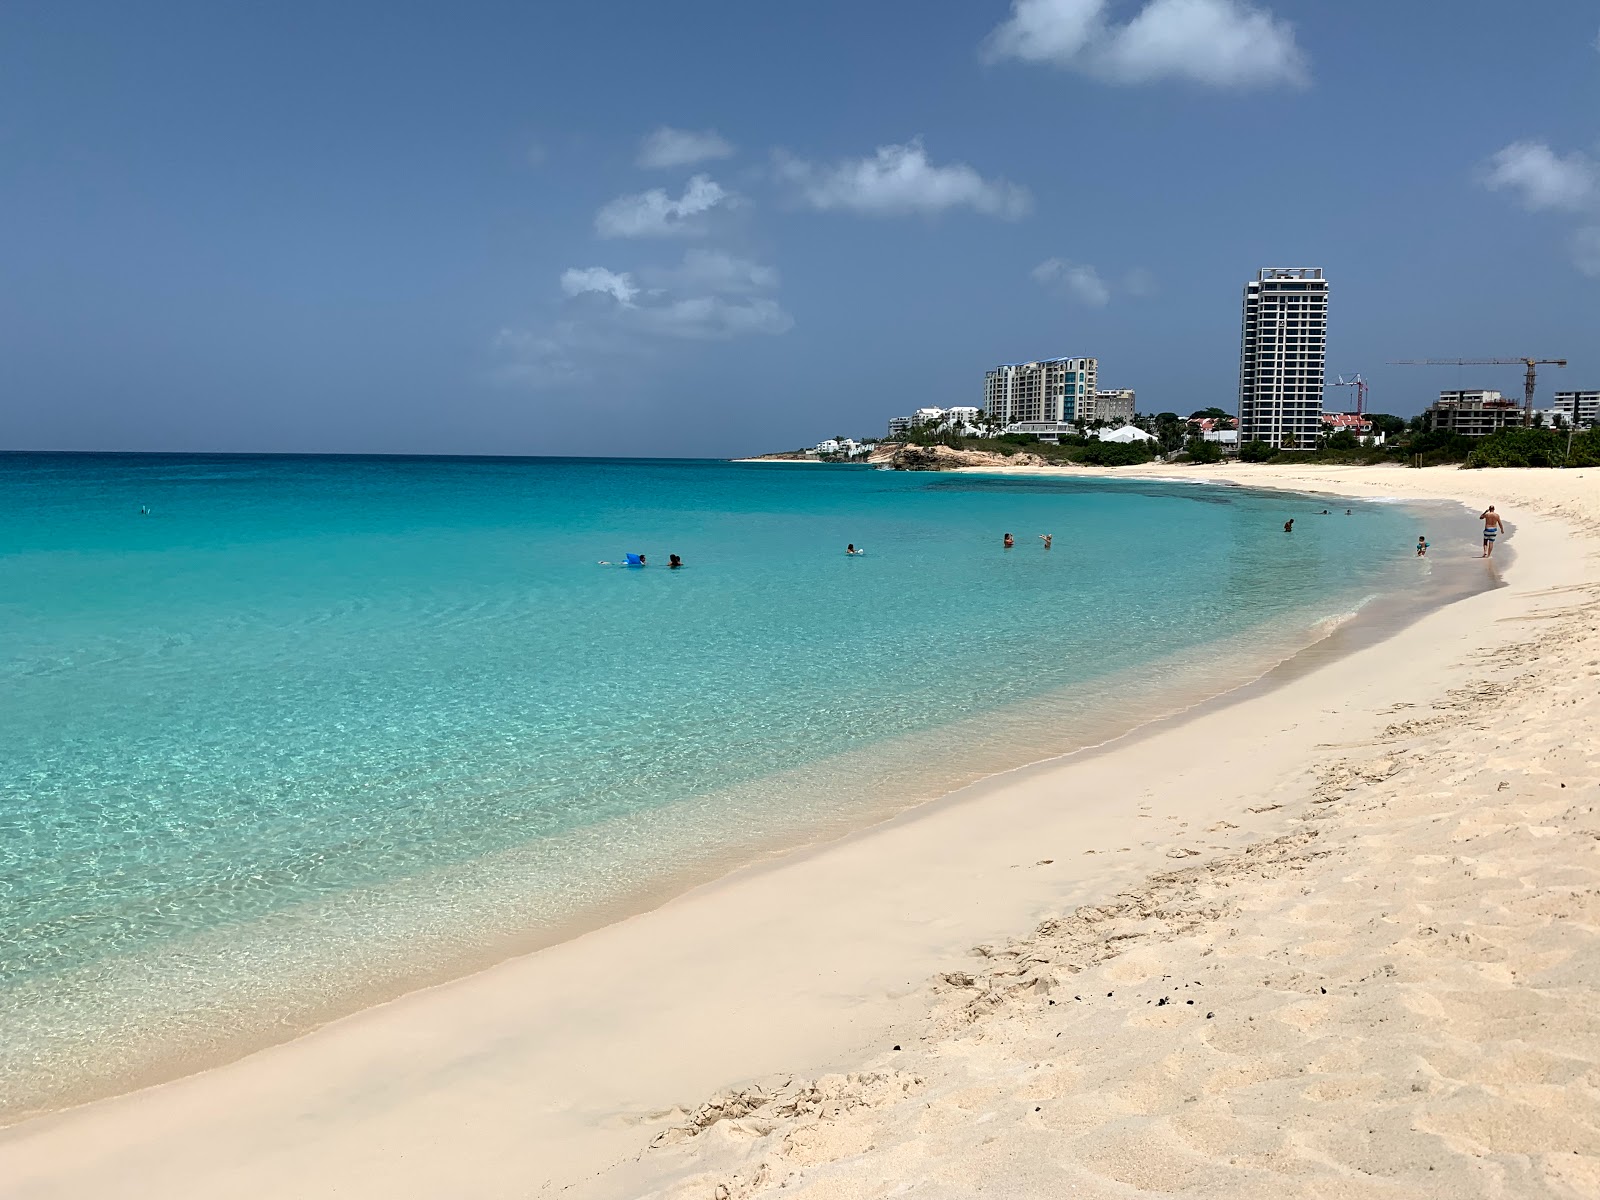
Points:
(1414, 446)
(1407, 442)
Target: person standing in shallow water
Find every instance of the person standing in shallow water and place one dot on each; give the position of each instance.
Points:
(1492, 525)
(1009, 542)
(1288, 526)
(1047, 538)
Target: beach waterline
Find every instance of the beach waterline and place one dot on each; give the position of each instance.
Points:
(220, 991)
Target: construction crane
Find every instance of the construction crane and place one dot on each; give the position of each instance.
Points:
(1527, 379)
(1360, 386)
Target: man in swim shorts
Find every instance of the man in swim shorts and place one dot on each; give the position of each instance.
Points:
(1492, 525)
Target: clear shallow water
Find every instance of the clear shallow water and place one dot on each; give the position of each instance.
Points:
(317, 726)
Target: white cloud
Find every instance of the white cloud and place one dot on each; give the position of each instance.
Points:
(1076, 281)
(656, 214)
(898, 180)
(577, 280)
(668, 147)
(1218, 43)
(1543, 179)
(1047, 31)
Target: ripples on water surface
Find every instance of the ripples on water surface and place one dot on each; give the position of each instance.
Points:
(318, 726)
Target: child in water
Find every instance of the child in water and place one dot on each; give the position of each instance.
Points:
(1422, 545)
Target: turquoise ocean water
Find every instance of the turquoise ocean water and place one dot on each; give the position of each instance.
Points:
(317, 728)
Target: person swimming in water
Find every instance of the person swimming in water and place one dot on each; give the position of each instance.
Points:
(673, 561)
(852, 549)
(1009, 542)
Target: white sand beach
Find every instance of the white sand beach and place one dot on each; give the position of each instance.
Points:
(1331, 936)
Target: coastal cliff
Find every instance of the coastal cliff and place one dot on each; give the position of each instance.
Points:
(944, 458)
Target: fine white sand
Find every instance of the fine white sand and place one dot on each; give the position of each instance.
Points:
(1370, 876)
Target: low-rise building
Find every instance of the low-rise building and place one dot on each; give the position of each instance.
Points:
(960, 419)
(1127, 433)
(1472, 413)
(1114, 406)
(1580, 408)
(1354, 422)
(1045, 431)
(848, 447)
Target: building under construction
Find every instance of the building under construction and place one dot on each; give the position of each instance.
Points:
(1472, 413)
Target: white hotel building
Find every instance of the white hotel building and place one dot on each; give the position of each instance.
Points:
(1579, 408)
(1283, 356)
(1053, 392)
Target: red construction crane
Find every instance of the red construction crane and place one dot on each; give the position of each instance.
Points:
(1527, 380)
(1360, 386)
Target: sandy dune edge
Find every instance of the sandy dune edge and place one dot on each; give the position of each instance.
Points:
(1399, 996)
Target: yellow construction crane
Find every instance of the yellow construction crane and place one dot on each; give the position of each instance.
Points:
(1527, 379)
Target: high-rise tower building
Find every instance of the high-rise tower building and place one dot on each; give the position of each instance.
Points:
(1060, 390)
(1283, 356)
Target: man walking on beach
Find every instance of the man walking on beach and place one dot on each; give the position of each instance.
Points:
(1492, 525)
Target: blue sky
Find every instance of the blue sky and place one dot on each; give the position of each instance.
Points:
(708, 228)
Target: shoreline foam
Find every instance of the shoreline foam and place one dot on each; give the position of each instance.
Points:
(626, 985)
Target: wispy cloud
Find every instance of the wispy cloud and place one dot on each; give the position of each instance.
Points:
(899, 180)
(1545, 181)
(668, 147)
(656, 214)
(1217, 43)
(1586, 250)
(715, 318)
(613, 318)
(1075, 281)
(715, 271)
